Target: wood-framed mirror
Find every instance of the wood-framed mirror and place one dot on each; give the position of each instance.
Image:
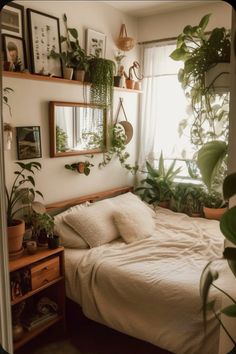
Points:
(76, 128)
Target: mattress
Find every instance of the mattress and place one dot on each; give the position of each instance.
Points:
(150, 289)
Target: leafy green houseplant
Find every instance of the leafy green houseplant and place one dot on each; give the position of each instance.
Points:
(208, 277)
(61, 140)
(101, 73)
(42, 227)
(80, 167)
(16, 227)
(74, 57)
(157, 187)
(199, 52)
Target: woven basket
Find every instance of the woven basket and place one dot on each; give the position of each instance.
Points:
(124, 42)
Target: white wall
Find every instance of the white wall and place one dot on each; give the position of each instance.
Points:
(171, 24)
(30, 105)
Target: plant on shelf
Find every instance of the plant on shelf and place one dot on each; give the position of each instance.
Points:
(74, 57)
(82, 167)
(118, 58)
(117, 148)
(42, 227)
(209, 276)
(157, 187)
(101, 73)
(16, 227)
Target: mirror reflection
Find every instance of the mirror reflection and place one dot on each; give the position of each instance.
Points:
(77, 129)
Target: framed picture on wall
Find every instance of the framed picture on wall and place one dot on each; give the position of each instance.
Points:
(14, 53)
(95, 43)
(12, 20)
(44, 36)
(28, 142)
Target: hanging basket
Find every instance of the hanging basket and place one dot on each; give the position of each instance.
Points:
(127, 126)
(124, 42)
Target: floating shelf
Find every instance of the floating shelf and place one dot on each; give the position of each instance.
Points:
(58, 80)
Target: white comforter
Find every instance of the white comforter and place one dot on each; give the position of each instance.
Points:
(150, 289)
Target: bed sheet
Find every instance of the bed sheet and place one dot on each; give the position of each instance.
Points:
(150, 289)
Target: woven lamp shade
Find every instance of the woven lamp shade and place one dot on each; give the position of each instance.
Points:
(124, 42)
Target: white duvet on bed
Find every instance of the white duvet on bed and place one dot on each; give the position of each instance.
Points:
(149, 289)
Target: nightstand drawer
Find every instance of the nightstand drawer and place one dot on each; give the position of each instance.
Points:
(43, 273)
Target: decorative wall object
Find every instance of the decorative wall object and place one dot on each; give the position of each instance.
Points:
(82, 167)
(95, 43)
(124, 42)
(12, 20)
(14, 53)
(28, 142)
(44, 36)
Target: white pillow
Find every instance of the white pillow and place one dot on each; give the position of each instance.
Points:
(132, 201)
(95, 224)
(68, 237)
(134, 225)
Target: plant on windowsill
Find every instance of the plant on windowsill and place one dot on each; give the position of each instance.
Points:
(16, 227)
(208, 277)
(157, 187)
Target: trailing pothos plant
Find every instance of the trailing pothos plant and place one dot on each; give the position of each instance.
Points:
(208, 277)
(200, 51)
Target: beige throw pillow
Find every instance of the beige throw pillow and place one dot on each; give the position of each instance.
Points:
(95, 224)
(68, 237)
(134, 224)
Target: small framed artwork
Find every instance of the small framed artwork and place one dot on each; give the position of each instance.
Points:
(12, 20)
(28, 142)
(44, 36)
(95, 43)
(14, 52)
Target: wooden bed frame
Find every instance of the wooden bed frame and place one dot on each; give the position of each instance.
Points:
(89, 197)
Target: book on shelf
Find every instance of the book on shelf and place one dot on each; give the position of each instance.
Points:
(37, 320)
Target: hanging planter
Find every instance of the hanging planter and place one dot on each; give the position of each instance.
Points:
(218, 77)
(127, 126)
(82, 167)
(124, 42)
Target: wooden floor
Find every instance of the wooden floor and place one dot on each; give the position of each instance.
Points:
(86, 337)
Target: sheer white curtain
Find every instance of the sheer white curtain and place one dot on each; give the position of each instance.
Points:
(163, 106)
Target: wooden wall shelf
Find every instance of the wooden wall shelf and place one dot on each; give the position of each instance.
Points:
(58, 80)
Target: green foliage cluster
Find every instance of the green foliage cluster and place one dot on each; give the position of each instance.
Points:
(61, 140)
(158, 185)
(188, 198)
(74, 57)
(209, 277)
(101, 72)
(24, 176)
(117, 148)
(80, 167)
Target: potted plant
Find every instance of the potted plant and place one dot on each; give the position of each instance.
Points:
(157, 187)
(187, 198)
(101, 72)
(42, 227)
(118, 58)
(208, 277)
(80, 167)
(130, 82)
(74, 57)
(200, 51)
(16, 227)
(214, 205)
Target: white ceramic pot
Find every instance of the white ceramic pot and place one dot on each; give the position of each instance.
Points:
(218, 77)
(68, 73)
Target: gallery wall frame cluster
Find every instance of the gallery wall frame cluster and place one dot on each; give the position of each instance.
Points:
(43, 33)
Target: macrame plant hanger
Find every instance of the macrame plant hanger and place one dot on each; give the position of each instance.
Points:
(128, 128)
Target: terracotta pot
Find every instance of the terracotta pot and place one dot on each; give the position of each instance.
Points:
(164, 204)
(15, 238)
(212, 213)
(130, 84)
(68, 73)
(80, 75)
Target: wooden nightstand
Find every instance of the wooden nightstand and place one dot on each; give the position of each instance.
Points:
(45, 271)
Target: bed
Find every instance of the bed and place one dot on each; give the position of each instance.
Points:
(149, 288)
